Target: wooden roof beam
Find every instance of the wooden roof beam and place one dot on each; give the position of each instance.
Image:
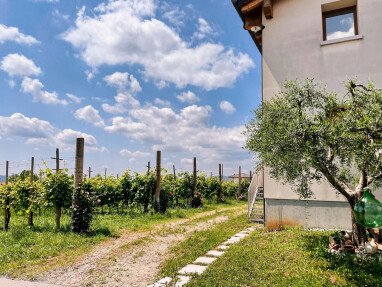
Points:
(251, 6)
(268, 9)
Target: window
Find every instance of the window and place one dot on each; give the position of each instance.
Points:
(340, 23)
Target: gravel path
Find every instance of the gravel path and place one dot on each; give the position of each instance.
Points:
(132, 259)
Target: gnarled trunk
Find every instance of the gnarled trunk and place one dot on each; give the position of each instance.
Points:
(58, 217)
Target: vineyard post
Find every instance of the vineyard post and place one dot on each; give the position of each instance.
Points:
(250, 176)
(79, 164)
(158, 179)
(7, 208)
(30, 215)
(220, 181)
(173, 168)
(148, 167)
(239, 191)
(105, 172)
(90, 172)
(58, 207)
(195, 178)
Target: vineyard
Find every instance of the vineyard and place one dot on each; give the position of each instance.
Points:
(26, 194)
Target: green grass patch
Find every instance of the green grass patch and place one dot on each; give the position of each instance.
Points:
(202, 241)
(292, 257)
(26, 253)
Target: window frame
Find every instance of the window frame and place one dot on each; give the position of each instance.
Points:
(339, 12)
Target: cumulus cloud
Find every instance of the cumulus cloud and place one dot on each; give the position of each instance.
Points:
(124, 82)
(227, 107)
(123, 100)
(74, 98)
(204, 29)
(20, 125)
(161, 102)
(188, 97)
(186, 131)
(144, 40)
(89, 115)
(41, 132)
(12, 34)
(35, 88)
(19, 65)
(134, 154)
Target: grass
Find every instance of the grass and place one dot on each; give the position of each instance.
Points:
(202, 241)
(292, 257)
(25, 253)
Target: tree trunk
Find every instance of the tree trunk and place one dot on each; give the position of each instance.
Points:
(30, 219)
(7, 214)
(58, 217)
(359, 232)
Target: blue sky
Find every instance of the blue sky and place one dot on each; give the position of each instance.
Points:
(131, 77)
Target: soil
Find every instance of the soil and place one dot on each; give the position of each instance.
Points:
(133, 259)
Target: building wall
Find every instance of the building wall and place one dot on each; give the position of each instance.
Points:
(292, 49)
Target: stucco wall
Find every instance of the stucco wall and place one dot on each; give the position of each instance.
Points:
(309, 214)
(292, 50)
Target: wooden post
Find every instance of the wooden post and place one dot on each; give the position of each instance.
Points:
(79, 165)
(7, 208)
(157, 185)
(30, 215)
(105, 172)
(148, 167)
(90, 172)
(239, 191)
(195, 178)
(58, 207)
(219, 195)
(117, 176)
(250, 176)
(173, 168)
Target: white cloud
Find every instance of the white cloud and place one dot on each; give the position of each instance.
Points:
(134, 154)
(19, 65)
(42, 133)
(341, 34)
(89, 115)
(227, 107)
(20, 125)
(187, 131)
(123, 100)
(12, 34)
(124, 82)
(188, 97)
(74, 98)
(144, 40)
(174, 15)
(161, 102)
(35, 88)
(204, 29)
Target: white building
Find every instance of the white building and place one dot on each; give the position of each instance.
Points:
(330, 41)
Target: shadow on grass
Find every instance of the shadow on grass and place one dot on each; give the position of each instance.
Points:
(358, 272)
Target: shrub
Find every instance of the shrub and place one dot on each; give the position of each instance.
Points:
(82, 209)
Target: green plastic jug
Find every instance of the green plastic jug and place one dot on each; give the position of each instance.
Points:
(368, 210)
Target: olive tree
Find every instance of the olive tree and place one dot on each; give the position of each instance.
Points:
(306, 134)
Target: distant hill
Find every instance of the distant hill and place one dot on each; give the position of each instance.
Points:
(2, 178)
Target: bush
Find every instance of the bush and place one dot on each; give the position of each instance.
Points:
(82, 209)
(197, 201)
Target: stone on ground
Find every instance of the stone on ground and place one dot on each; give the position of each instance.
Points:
(192, 269)
(222, 247)
(182, 280)
(205, 260)
(215, 253)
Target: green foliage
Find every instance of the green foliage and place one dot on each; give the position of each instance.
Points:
(306, 133)
(230, 188)
(58, 189)
(82, 209)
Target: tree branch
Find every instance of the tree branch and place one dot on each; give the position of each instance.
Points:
(342, 187)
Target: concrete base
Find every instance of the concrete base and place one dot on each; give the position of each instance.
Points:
(309, 213)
